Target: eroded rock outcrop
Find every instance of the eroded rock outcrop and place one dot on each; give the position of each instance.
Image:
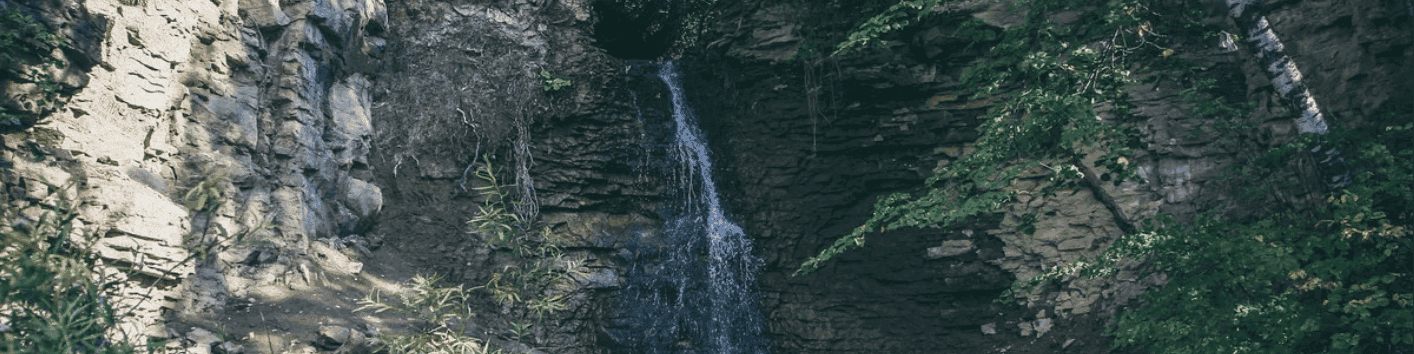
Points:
(206, 133)
(296, 125)
(470, 86)
(49, 48)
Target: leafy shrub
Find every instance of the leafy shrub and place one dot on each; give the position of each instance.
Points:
(446, 311)
(693, 21)
(540, 264)
(51, 300)
(1336, 280)
(1333, 279)
(889, 20)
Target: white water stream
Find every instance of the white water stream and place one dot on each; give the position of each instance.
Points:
(693, 291)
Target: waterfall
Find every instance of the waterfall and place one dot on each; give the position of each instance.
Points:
(692, 288)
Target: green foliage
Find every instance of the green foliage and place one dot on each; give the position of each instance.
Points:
(1045, 83)
(496, 222)
(444, 309)
(551, 83)
(541, 262)
(21, 33)
(540, 265)
(891, 19)
(520, 329)
(699, 20)
(207, 195)
(51, 299)
(837, 28)
(1334, 281)
(26, 43)
(696, 21)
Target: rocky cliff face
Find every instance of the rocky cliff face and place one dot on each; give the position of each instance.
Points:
(237, 154)
(807, 144)
(465, 85)
(213, 144)
(230, 154)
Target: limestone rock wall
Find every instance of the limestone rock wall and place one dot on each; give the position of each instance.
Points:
(40, 73)
(221, 147)
(210, 142)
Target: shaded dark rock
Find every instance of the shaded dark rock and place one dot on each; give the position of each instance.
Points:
(31, 66)
(636, 29)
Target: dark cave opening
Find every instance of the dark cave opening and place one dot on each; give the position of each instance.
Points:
(636, 29)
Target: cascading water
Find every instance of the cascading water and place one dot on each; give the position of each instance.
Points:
(692, 288)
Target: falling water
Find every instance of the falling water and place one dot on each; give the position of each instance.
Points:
(692, 289)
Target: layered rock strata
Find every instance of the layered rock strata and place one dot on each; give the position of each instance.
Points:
(469, 84)
(211, 143)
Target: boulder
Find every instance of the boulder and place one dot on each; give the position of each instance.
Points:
(951, 248)
(264, 14)
(365, 199)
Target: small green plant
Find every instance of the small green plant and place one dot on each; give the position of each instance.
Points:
(695, 19)
(520, 329)
(540, 263)
(51, 300)
(553, 83)
(526, 283)
(496, 223)
(445, 310)
(207, 195)
(205, 198)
